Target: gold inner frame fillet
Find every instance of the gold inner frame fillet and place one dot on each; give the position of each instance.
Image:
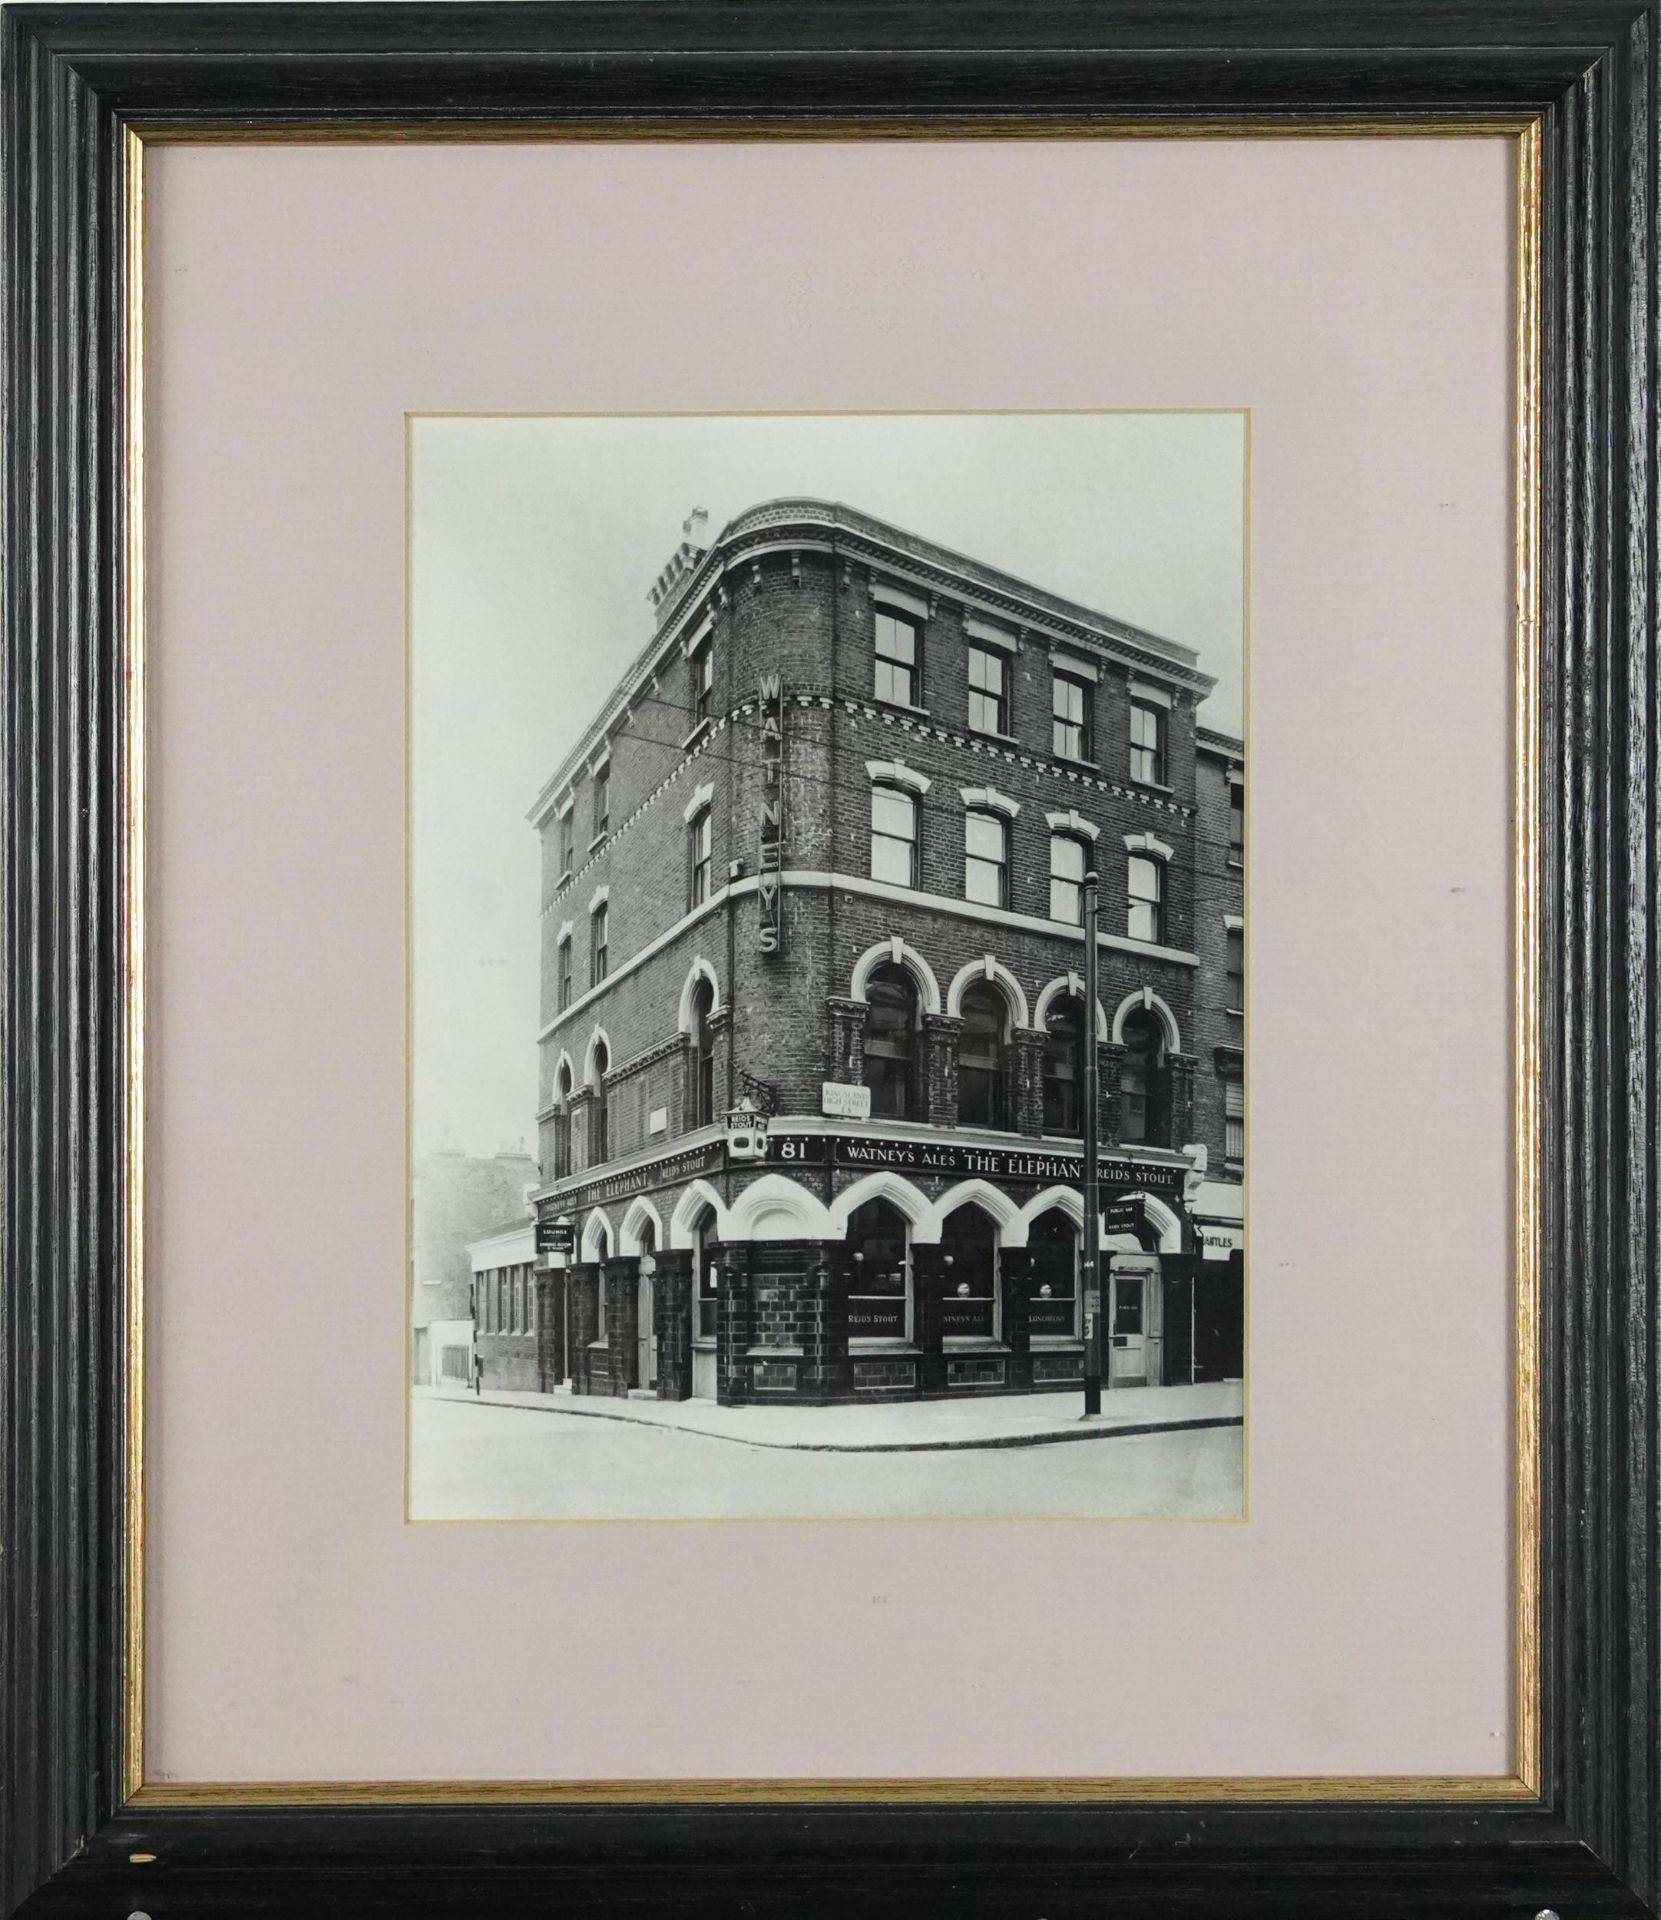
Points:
(1523, 1781)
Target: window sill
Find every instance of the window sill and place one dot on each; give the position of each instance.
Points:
(772, 1353)
(987, 733)
(696, 735)
(1149, 786)
(901, 706)
(565, 878)
(599, 840)
(1236, 1013)
(972, 1343)
(1236, 860)
(1068, 760)
(900, 1349)
(1055, 1343)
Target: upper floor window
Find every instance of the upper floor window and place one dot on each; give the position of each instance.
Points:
(567, 841)
(698, 848)
(565, 973)
(1067, 867)
(1234, 1122)
(701, 1067)
(1064, 1068)
(891, 1043)
(1141, 1078)
(1147, 742)
(894, 836)
(981, 1079)
(1145, 899)
(602, 800)
(703, 681)
(1070, 731)
(988, 691)
(599, 936)
(597, 1127)
(1236, 969)
(562, 1124)
(899, 657)
(986, 859)
(1236, 819)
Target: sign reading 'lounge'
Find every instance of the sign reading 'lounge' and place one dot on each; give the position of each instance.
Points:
(770, 861)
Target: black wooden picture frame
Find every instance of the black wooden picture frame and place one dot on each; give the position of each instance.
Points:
(1586, 1839)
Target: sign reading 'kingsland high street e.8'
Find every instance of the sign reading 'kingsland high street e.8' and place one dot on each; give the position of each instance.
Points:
(770, 863)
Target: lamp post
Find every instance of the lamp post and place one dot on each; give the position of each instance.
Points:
(1091, 1238)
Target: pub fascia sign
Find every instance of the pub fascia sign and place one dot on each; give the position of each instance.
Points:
(770, 860)
(994, 1163)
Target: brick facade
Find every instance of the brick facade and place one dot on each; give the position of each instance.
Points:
(690, 999)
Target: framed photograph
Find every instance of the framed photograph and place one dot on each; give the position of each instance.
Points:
(830, 985)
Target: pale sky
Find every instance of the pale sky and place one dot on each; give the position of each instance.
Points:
(533, 544)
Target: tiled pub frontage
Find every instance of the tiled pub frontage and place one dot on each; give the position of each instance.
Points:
(902, 1284)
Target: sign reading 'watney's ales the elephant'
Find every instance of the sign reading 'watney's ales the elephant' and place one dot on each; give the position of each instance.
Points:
(964, 1161)
(770, 856)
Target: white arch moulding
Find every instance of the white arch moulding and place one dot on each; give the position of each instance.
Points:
(988, 967)
(568, 1067)
(897, 1190)
(599, 1037)
(594, 1227)
(641, 1213)
(777, 1208)
(1006, 1216)
(1067, 1199)
(894, 951)
(1066, 986)
(699, 970)
(694, 1202)
(1145, 997)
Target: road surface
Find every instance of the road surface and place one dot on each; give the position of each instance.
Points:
(481, 1462)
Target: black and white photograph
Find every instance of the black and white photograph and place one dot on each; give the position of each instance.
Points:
(827, 966)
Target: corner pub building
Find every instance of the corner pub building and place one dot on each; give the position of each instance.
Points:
(813, 1024)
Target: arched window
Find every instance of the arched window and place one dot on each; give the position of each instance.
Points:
(597, 1111)
(602, 1253)
(891, 1043)
(700, 1066)
(562, 1123)
(879, 1284)
(1064, 1068)
(699, 856)
(1052, 1304)
(969, 1276)
(1141, 1080)
(982, 1097)
(706, 1278)
(894, 836)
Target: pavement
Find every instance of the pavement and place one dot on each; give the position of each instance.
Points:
(907, 1426)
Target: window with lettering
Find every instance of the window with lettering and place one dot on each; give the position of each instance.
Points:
(969, 1276)
(879, 1273)
(1052, 1286)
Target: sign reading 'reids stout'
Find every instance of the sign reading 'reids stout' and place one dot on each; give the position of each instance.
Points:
(770, 859)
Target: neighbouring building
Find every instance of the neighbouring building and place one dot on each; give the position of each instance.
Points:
(813, 1029)
(503, 1294)
(455, 1197)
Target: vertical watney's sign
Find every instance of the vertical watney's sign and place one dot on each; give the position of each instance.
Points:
(770, 864)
